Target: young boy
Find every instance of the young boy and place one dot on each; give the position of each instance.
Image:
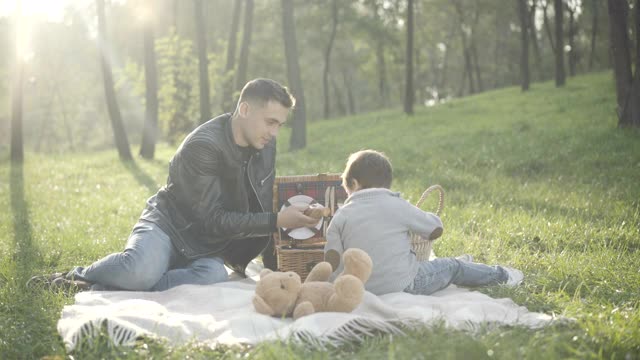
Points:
(378, 221)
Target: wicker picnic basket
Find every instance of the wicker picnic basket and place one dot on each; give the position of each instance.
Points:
(421, 246)
(296, 255)
(300, 256)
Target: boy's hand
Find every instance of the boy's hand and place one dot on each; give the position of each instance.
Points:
(294, 217)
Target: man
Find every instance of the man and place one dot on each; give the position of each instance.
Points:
(214, 209)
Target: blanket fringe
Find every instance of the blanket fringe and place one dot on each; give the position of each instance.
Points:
(355, 330)
(119, 334)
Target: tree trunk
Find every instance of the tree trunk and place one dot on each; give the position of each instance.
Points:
(524, 38)
(348, 84)
(462, 82)
(468, 66)
(594, 32)
(547, 27)
(65, 119)
(497, 51)
(560, 76)
(227, 96)
(474, 51)
(476, 64)
(203, 62)
(442, 81)
(17, 141)
(119, 134)
(150, 128)
(618, 17)
(17, 145)
(299, 123)
(382, 73)
(327, 58)
(533, 36)
(241, 79)
(342, 108)
(637, 30)
(408, 92)
(380, 60)
(572, 54)
(635, 88)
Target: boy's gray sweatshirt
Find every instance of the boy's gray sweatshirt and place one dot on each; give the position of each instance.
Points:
(378, 221)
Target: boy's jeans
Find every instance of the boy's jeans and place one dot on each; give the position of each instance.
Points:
(439, 273)
(150, 262)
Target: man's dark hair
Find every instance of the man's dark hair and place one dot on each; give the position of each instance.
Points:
(372, 169)
(265, 90)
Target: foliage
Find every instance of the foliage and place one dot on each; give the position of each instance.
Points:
(65, 105)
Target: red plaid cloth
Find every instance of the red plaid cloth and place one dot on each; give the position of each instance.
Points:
(314, 189)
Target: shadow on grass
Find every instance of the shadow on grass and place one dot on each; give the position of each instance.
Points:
(23, 313)
(141, 176)
(25, 253)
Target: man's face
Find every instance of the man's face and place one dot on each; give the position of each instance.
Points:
(262, 122)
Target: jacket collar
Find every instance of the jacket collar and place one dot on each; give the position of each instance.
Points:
(236, 153)
(369, 193)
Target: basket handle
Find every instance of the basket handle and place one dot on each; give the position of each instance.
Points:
(440, 198)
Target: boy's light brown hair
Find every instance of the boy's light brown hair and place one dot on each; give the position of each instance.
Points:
(370, 168)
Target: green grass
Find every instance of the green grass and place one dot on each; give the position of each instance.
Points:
(543, 181)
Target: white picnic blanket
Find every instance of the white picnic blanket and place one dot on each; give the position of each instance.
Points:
(223, 314)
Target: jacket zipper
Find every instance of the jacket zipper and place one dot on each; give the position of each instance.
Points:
(258, 197)
(251, 183)
(268, 176)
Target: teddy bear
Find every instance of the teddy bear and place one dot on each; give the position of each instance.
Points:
(283, 294)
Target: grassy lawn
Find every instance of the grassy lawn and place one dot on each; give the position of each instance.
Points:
(543, 181)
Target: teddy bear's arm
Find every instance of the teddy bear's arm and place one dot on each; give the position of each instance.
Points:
(261, 306)
(303, 309)
(320, 272)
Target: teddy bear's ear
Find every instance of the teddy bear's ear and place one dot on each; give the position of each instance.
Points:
(265, 272)
(261, 306)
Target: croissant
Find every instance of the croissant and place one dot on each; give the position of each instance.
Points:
(317, 211)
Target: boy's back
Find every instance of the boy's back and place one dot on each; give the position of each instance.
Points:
(378, 221)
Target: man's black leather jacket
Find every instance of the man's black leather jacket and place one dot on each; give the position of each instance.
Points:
(204, 207)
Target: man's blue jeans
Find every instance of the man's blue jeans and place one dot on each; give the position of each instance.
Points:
(439, 273)
(150, 262)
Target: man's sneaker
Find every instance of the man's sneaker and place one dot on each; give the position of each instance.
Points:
(44, 281)
(67, 285)
(515, 276)
(465, 258)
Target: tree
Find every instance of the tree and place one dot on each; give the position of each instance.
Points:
(533, 35)
(119, 135)
(524, 36)
(241, 77)
(203, 63)
(327, 58)
(150, 128)
(17, 146)
(408, 91)
(227, 91)
(594, 31)
(468, 66)
(299, 132)
(572, 8)
(559, 48)
(627, 86)
(547, 27)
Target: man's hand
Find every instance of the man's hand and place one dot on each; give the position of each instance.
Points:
(294, 217)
